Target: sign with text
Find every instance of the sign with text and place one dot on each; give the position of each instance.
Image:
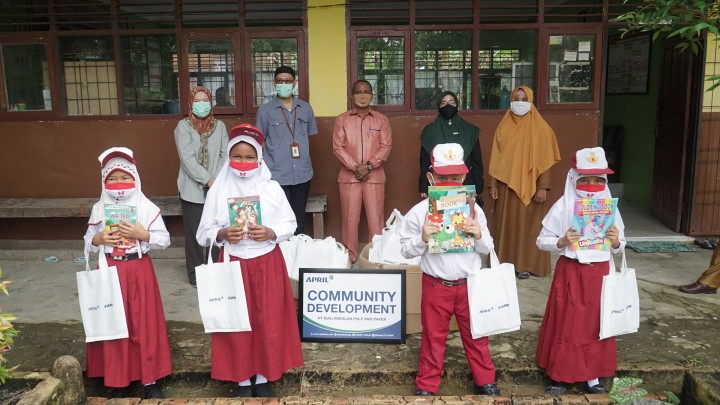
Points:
(342, 305)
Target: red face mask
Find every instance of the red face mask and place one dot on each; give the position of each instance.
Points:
(244, 166)
(119, 186)
(590, 188)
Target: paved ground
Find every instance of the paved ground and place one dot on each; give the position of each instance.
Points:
(678, 331)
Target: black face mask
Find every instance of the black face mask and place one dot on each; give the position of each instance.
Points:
(448, 111)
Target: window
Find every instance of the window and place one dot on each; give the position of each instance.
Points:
(89, 75)
(381, 62)
(267, 55)
(443, 62)
(211, 64)
(506, 60)
(87, 58)
(570, 73)
(27, 81)
(150, 80)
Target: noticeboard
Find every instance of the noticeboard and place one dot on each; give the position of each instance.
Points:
(352, 305)
(628, 65)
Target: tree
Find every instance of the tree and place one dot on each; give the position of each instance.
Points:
(688, 20)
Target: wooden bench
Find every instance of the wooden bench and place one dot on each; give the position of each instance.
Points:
(169, 206)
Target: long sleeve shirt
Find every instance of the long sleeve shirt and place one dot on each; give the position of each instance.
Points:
(193, 176)
(159, 238)
(361, 139)
(447, 266)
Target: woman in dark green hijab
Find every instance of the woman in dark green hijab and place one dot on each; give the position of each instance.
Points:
(448, 127)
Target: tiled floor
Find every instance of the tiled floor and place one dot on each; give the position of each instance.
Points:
(641, 226)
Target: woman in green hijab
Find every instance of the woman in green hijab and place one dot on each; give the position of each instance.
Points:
(448, 127)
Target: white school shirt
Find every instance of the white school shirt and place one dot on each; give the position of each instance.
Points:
(447, 266)
(159, 237)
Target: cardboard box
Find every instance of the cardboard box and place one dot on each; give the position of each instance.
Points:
(413, 289)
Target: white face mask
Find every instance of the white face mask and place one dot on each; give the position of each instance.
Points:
(520, 107)
(121, 195)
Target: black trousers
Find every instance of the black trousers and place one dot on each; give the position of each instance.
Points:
(195, 254)
(297, 195)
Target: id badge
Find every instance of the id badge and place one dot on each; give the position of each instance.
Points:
(295, 150)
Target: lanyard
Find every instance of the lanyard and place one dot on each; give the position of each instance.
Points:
(287, 124)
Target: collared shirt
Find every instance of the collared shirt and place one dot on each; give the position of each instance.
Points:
(358, 140)
(277, 124)
(447, 266)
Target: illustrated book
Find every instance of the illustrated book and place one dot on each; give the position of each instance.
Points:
(114, 213)
(591, 218)
(450, 206)
(244, 212)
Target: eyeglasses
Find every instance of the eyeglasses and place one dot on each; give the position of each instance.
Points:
(451, 102)
(286, 81)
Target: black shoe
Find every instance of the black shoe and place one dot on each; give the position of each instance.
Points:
(423, 393)
(244, 391)
(555, 389)
(523, 275)
(263, 391)
(118, 392)
(597, 389)
(487, 389)
(152, 391)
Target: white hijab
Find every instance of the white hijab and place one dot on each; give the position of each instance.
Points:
(227, 185)
(120, 158)
(560, 217)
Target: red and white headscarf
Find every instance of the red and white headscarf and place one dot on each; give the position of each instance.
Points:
(120, 158)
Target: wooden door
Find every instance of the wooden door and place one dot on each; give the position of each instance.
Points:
(675, 125)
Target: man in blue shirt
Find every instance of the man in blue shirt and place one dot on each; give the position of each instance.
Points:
(287, 123)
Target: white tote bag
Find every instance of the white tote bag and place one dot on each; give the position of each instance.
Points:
(101, 302)
(619, 302)
(493, 298)
(388, 247)
(221, 296)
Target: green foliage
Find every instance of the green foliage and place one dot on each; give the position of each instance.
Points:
(7, 335)
(693, 360)
(626, 389)
(672, 398)
(687, 20)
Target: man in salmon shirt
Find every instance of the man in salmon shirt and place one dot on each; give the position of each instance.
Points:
(362, 140)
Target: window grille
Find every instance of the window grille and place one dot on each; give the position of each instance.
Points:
(24, 17)
(143, 14)
(82, 15)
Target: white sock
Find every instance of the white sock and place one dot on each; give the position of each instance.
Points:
(260, 379)
(594, 382)
(151, 383)
(245, 383)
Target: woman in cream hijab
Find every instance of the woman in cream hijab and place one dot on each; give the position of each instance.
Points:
(523, 151)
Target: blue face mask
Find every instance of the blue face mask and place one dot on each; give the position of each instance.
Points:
(284, 90)
(201, 109)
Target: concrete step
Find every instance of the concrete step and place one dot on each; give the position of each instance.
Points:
(69, 249)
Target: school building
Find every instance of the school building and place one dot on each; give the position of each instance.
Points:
(78, 77)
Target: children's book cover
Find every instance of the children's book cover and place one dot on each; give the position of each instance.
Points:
(114, 213)
(450, 206)
(591, 218)
(244, 212)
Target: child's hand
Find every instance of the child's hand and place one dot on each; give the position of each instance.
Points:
(571, 236)
(109, 238)
(614, 235)
(133, 231)
(428, 229)
(232, 234)
(473, 227)
(261, 233)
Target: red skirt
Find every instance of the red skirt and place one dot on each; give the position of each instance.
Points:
(273, 345)
(569, 348)
(145, 354)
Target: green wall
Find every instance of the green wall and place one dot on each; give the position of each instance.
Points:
(637, 113)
